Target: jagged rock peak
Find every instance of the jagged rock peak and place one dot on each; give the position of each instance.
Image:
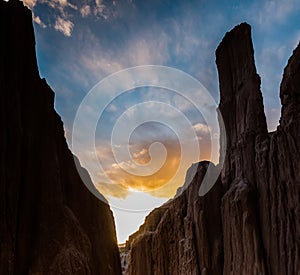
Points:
(241, 102)
(239, 84)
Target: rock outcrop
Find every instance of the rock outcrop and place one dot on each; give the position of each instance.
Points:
(181, 237)
(249, 223)
(50, 222)
(241, 106)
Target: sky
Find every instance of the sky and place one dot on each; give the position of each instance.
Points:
(80, 43)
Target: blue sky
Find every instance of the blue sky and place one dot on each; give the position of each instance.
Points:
(81, 42)
(82, 45)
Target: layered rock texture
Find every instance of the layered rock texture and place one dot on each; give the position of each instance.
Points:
(249, 222)
(49, 222)
(181, 237)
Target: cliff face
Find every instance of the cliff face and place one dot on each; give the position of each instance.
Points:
(181, 237)
(249, 223)
(242, 109)
(260, 211)
(50, 223)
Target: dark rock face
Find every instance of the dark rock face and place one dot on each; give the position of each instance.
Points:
(261, 220)
(241, 106)
(181, 237)
(249, 223)
(50, 223)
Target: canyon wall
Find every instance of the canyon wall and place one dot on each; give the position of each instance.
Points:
(181, 237)
(50, 222)
(249, 222)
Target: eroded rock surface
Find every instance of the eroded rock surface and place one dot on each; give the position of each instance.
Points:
(181, 237)
(249, 223)
(50, 222)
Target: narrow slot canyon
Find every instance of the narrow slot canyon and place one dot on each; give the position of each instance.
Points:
(248, 223)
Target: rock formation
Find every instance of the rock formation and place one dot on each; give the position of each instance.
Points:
(50, 222)
(249, 223)
(181, 237)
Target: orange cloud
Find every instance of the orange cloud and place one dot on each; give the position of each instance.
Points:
(163, 183)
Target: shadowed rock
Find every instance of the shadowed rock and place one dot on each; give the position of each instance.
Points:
(50, 222)
(181, 237)
(249, 223)
(241, 106)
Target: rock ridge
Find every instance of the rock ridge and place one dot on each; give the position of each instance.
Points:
(249, 223)
(50, 222)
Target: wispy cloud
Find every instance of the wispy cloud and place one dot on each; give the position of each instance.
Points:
(129, 181)
(85, 11)
(100, 9)
(272, 11)
(31, 4)
(142, 156)
(272, 59)
(62, 21)
(184, 37)
(96, 61)
(201, 128)
(64, 26)
(60, 5)
(38, 20)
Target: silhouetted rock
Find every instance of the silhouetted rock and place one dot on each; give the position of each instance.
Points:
(241, 106)
(260, 211)
(241, 103)
(50, 222)
(249, 223)
(181, 237)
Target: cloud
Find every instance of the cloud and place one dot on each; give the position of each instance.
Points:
(37, 20)
(152, 48)
(111, 189)
(97, 64)
(100, 9)
(112, 108)
(62, 23)
(60, 5)
(272, 59)
(63, 3)
(272, 11)
(142, 156)
(64, 26)
(201, 128)
(30, 3)
(151, 45)
(145, 183)
(96, 61)
(162, 183)
(85, 11)
(116, 181)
